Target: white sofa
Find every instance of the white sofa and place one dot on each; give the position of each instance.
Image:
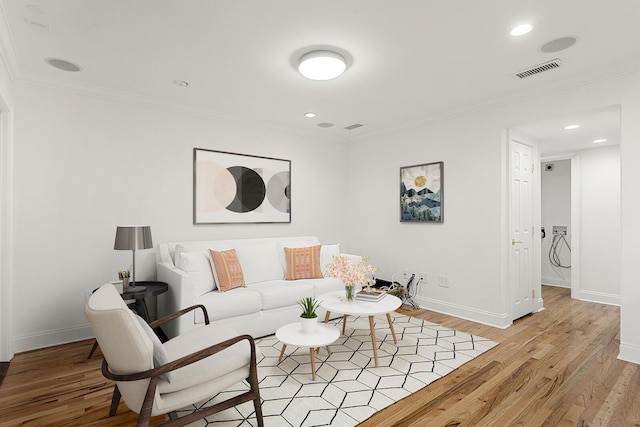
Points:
(267, 302)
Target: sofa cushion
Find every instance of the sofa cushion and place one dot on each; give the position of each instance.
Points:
(322, 286)
(260, 262)
(327, 252)
(198, 265)
(281, 293)
(227, 269)
(236, 302)
(303, 263)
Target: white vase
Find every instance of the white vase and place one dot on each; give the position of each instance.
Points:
(308, 325)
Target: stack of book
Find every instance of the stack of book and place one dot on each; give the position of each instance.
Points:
(371, 295)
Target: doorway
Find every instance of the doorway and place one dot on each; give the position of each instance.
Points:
(556, 227)
(585, 148)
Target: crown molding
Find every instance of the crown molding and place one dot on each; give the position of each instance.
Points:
(49, 82)
(569, 83)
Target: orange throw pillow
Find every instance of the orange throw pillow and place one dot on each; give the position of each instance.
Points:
(228, 271)
(303, 263)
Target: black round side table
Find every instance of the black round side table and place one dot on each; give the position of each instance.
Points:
(151, 289)
(147, 289)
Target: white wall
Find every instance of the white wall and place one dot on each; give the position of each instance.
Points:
(556, 210)
(84, 165)
(600, 224)
(6, 214)
(468, 247)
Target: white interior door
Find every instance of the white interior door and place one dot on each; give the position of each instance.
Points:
(521, 228)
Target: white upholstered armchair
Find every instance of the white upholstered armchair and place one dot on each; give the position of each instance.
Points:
(160, 378)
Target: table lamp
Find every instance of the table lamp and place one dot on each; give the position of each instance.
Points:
(130, 238)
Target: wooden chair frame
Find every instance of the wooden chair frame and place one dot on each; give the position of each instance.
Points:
(145, 411)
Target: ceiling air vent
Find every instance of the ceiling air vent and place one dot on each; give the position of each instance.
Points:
(353, 126)
(555, 63)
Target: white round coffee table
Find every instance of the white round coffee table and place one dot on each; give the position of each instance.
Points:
(337, 302)
(292, 334)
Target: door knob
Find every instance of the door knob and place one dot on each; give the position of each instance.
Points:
(514, 241)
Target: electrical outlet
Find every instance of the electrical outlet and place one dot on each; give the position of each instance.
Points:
(560, 230)
(443, 281)
(424, 278)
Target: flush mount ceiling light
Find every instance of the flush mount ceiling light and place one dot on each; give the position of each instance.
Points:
(310, 115)
(571, 127)
(322, 65)
(521, 30)
(598, 141)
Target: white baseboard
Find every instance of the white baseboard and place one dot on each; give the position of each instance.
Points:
(600, 297)
(556, 282)
(479, 316)
(51, 338)
(629, 353)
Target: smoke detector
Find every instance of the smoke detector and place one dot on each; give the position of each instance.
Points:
(537, 69)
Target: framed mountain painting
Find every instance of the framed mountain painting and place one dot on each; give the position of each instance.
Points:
(421, 191)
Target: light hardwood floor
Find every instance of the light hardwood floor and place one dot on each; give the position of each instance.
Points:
(554, 368)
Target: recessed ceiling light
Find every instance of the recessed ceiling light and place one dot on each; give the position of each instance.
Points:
(598, 141)
(571, 127)
(180, 83)
(322, 65)
(310, 115)
(521, 30)
(63, 65)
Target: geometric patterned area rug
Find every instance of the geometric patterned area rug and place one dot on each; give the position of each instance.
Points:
(349, 388)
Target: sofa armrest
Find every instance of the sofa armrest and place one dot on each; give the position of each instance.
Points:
(178, 296)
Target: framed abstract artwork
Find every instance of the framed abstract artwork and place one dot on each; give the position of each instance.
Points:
(239, 188)
(421, 191)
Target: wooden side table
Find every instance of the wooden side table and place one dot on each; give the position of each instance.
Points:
(335, 302)
(151, 289)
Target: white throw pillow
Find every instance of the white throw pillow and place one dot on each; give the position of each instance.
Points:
(260, 262)
(197, 264)
(327, 252)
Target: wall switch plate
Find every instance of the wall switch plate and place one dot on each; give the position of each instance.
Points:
(443, 281)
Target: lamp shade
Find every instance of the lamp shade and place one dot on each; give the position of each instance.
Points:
(132, 237)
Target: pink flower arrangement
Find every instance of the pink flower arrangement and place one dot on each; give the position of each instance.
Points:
(350, 273)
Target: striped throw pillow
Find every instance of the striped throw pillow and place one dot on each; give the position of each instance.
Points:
(228, 272)
(303, 263)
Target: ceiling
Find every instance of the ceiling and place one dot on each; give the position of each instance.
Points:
(595, 125)
(414, 61)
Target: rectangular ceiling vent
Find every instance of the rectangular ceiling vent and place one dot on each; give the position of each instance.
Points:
(554, 63)
(353, 126)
